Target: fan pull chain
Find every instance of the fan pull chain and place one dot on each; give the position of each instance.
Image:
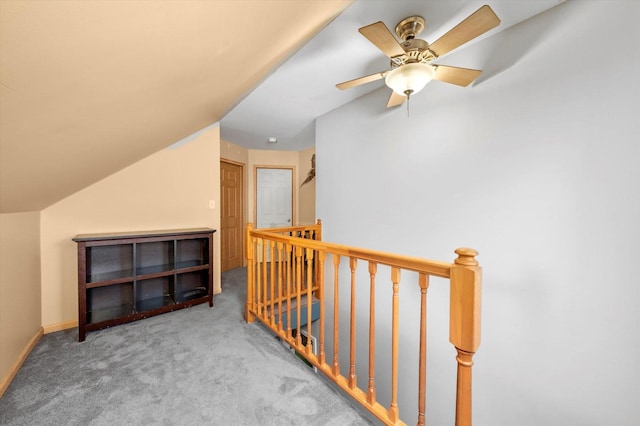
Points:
(408, 93)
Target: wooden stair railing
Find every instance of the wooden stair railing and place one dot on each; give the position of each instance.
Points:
(288, 264)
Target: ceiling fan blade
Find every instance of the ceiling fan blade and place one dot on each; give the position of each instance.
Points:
(362, 80)
(379, 34)
(395, 99)
(479, 22)
(454, 75)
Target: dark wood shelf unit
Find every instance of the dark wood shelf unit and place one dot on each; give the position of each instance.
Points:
(125, 277)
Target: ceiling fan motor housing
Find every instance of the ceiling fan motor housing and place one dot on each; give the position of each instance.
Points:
(416, 50)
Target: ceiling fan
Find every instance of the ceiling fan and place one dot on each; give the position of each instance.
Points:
(411, 67)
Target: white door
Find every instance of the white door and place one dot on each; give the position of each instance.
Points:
(274, 197)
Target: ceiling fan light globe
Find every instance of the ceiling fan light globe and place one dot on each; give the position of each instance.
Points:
(409, 78)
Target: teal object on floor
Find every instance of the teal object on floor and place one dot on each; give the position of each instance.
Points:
(282, 318)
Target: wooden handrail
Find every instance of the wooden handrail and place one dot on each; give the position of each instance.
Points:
(431, 267)
(286, 267)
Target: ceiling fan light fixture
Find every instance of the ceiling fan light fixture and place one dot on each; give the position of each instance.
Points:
(409, 79)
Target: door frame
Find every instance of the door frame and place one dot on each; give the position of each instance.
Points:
(243, 200)
(294, 212)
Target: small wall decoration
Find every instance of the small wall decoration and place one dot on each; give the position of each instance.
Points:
(312, 173)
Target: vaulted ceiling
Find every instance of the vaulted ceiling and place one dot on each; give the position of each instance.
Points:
(90, 87)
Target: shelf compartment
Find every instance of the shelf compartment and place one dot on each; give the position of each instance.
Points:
(109, 302)
(109, 262)
(191, 252)
(154, 257)
(154, 293)
(192, 285)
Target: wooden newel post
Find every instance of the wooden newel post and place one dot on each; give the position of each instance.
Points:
(249, 255)
(464, 325)
(319, 230)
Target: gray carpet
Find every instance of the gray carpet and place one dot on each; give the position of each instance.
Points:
(196, 366)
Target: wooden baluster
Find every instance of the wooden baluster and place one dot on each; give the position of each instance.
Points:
(352, 337)
(394, 414)
(464, 391)
(257, 289)
(309, 261)
(320, 277)
(298, 293)
(272, 281)
(289, 250)
(336, 315)
(315, 235)
(259, 278)
(251, 265)
(265, 283)
(305, 272)
(464, 325)
(423, 280)
(280, 290)
(371, 390)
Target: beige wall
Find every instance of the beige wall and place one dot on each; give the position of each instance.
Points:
(235, 153)
(20, 315)
(167, 190)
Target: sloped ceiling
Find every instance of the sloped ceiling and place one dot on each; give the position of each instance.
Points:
(90, 87)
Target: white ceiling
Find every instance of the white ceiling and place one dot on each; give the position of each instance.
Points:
(287, 102)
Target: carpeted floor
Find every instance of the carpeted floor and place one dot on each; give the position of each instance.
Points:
(196, 366)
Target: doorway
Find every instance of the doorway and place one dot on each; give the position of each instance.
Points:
(274, 197)
(231, 215)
